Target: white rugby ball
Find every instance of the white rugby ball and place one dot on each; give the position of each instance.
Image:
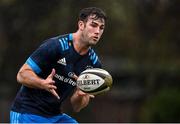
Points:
(94, 81)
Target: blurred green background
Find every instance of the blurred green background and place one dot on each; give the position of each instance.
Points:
(140, 48)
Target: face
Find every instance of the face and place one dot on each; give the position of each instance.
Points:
(92, 30)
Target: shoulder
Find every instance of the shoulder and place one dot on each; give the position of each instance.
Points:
(61, 42)
(94, 57)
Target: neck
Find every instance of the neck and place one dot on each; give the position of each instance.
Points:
(79, 44)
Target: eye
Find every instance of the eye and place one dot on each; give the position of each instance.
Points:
(93, 25)
(102, 27)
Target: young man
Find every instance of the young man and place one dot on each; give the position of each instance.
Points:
(49, 75)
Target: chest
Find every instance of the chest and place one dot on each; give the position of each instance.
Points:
(66, 66)
(70, 63)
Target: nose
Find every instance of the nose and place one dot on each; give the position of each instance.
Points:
(97, 30)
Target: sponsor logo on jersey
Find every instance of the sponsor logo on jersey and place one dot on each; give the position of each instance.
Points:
(65, 79)
(62, 61)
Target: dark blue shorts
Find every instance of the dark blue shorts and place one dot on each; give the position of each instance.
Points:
(16, 117)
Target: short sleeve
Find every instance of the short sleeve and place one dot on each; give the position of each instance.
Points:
(94, 59)
(44, 56)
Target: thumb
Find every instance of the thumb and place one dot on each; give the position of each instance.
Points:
(81, 93)
(53, 72)
(75, 76)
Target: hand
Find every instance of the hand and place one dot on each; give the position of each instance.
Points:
(48, 84)
(80, 99)
(84, 98)
(81, 93)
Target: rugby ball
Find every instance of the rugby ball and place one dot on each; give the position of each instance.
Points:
(94, 81)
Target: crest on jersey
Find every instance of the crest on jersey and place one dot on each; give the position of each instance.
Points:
(88, 67)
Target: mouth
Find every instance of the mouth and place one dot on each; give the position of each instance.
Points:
(95, 38)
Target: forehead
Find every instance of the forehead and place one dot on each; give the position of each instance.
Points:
(93, 18)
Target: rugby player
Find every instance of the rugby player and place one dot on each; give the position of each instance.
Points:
(49, 74)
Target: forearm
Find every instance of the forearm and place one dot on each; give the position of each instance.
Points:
(76, 103)
(28, 78)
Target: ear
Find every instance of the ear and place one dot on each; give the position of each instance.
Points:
(81, 25)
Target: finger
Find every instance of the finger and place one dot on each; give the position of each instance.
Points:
(75, 76)
(52, 87)
(54, 93)
(52, 82)
(91, 96)
(53, 72)
(81, 93)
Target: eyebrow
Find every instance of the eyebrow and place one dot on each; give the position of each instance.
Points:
(97, 23)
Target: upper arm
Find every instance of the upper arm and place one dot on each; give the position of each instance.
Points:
(24, 69)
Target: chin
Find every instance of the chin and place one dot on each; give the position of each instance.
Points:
(93, 43)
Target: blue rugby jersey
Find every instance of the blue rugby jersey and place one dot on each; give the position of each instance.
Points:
(57, 53)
